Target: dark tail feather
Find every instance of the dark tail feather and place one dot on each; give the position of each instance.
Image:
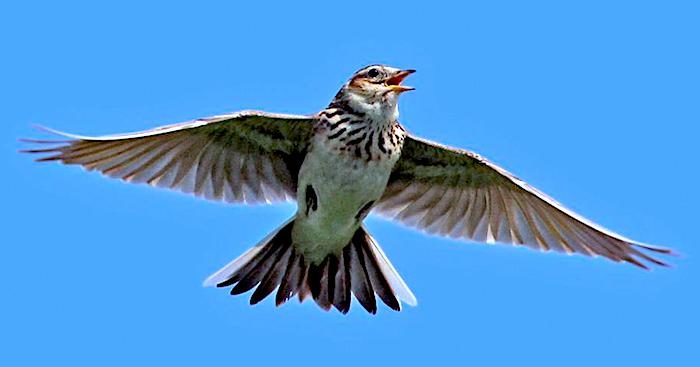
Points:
(343, 289)
(361, 269)
(292, 280)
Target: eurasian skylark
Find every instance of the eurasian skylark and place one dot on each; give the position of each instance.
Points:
(350, 159)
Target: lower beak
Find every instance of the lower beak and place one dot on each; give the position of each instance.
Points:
(400, 88)
(394, 83)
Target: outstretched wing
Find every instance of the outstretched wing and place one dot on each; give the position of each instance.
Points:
(457, 193)
(247, 156)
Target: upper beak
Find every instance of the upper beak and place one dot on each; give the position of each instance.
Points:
(394, 83)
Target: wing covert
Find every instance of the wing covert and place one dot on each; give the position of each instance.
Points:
(457, 193)
(247, 156)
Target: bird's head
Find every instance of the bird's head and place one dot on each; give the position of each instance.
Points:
(375, 90)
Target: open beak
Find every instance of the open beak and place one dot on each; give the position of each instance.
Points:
(394, 83)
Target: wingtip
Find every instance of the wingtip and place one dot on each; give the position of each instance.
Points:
(49, 130)
(46, 129)
(657, 249)
(640, 252)
(40, 127)
(41, 141)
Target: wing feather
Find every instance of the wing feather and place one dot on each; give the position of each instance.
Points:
(248, 156)
(458, 193)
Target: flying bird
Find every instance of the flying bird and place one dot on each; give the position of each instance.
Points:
(350, 159)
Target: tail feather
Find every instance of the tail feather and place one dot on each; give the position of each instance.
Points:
(343, 290)
(396, 283)
(292, 279)
(259, 270)
(379, 282)
(361, 268)
(273, 277)
(318, 280)
(360, 280)
(232, 272)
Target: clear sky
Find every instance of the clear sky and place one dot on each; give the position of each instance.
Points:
(595, 103)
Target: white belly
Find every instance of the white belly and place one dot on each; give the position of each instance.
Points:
(343, 186)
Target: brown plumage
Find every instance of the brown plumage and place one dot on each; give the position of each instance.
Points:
(349, 159)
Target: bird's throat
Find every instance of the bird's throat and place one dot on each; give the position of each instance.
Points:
(379, 109)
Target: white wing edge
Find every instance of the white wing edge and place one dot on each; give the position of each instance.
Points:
(177, 126)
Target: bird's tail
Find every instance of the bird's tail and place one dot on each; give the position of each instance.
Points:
(361, 268)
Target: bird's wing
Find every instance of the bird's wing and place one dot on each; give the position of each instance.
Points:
(247, 156)
(457, 193)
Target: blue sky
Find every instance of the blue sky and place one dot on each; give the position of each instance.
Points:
(594, 102)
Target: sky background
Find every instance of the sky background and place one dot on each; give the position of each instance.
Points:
(594, 102)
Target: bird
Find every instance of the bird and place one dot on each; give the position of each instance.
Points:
(340, 164)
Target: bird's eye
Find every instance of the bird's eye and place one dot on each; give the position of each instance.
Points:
(373, 73)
